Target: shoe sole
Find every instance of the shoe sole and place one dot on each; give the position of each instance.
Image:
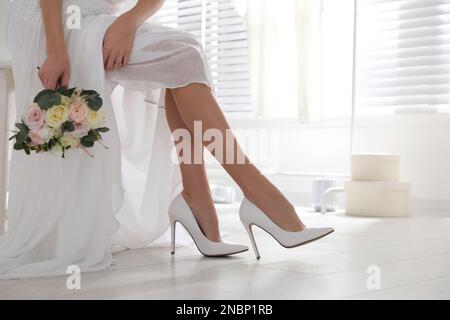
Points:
(297, 245)
(209, 255)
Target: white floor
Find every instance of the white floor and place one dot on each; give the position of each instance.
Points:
(412, 254)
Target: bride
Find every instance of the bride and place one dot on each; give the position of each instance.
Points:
(70, 211)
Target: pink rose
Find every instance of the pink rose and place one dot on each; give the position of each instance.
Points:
(34, 117)
(35, 137)
(81, 129)
(41, 136)
(78, 111)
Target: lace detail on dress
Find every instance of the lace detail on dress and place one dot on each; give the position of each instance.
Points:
(89, 7)
(30, 9)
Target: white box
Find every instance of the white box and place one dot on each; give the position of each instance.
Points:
(375, 167)
(377, 199)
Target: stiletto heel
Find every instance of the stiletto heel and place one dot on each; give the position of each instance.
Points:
(251, 215)
(248, 228)
(180, 212)
(172, 236)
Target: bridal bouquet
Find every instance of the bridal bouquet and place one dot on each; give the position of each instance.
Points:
(60, 120)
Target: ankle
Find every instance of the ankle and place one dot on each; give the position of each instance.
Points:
(196, 197)
(258, 195)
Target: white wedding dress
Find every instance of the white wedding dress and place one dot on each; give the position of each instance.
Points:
(71, 211)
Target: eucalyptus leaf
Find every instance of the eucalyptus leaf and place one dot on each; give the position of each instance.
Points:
(21, 137)
(85, 142)
(88, 93)
(103, 130)
(94, 102)
(27, 149)
(22, 127)
(18, 146)
(68, 92)
(68, 126)
(49, 100)
(41, 94)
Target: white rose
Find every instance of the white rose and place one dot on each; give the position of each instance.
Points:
(96, 118)
(45, 134)
(68, 141)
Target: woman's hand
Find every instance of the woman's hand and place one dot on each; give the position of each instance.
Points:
(118, 42)
(119, 38)
(55, 72)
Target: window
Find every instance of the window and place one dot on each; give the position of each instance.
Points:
(403, 55)
(223, 34)
(336, 55)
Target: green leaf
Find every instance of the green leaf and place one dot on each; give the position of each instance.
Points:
(27, 149)
(66, 91)
(21, 137)
(88, 93)
(103, 130)
(18, 146)
(68, 126)
(94, 102)
(42, 94)
(92, 136)
(49, 100)
(86, 142)
(22, 127)
(49, 145)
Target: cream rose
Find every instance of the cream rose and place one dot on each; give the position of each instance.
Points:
(78, 111)
(68, 141)
(96, 118)
(34, 117)
(57, 148)
(57, 115)
(66, 101)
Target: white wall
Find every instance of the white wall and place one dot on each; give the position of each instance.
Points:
(4, 54)
(421, 140)
(304, 153)
(423, 143)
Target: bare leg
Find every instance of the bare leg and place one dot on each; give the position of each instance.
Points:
(195, 183)
(195, 102)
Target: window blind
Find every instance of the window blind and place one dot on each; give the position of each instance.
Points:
(403, 53)
(224, 36)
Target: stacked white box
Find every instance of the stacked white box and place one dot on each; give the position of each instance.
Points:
(375, 189)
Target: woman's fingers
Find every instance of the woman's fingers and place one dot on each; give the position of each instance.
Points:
(106, 53)
(55, 71)
(111, 60)
(119, 60)
(65, 79)
(126, 58)
(53, 81)
(50, 83)
(115, 59)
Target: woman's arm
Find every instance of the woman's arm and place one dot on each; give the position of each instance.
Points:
(54, 72)
(119, 38)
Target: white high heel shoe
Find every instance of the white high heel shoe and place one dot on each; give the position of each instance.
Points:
(179, 211)
(251, 215)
